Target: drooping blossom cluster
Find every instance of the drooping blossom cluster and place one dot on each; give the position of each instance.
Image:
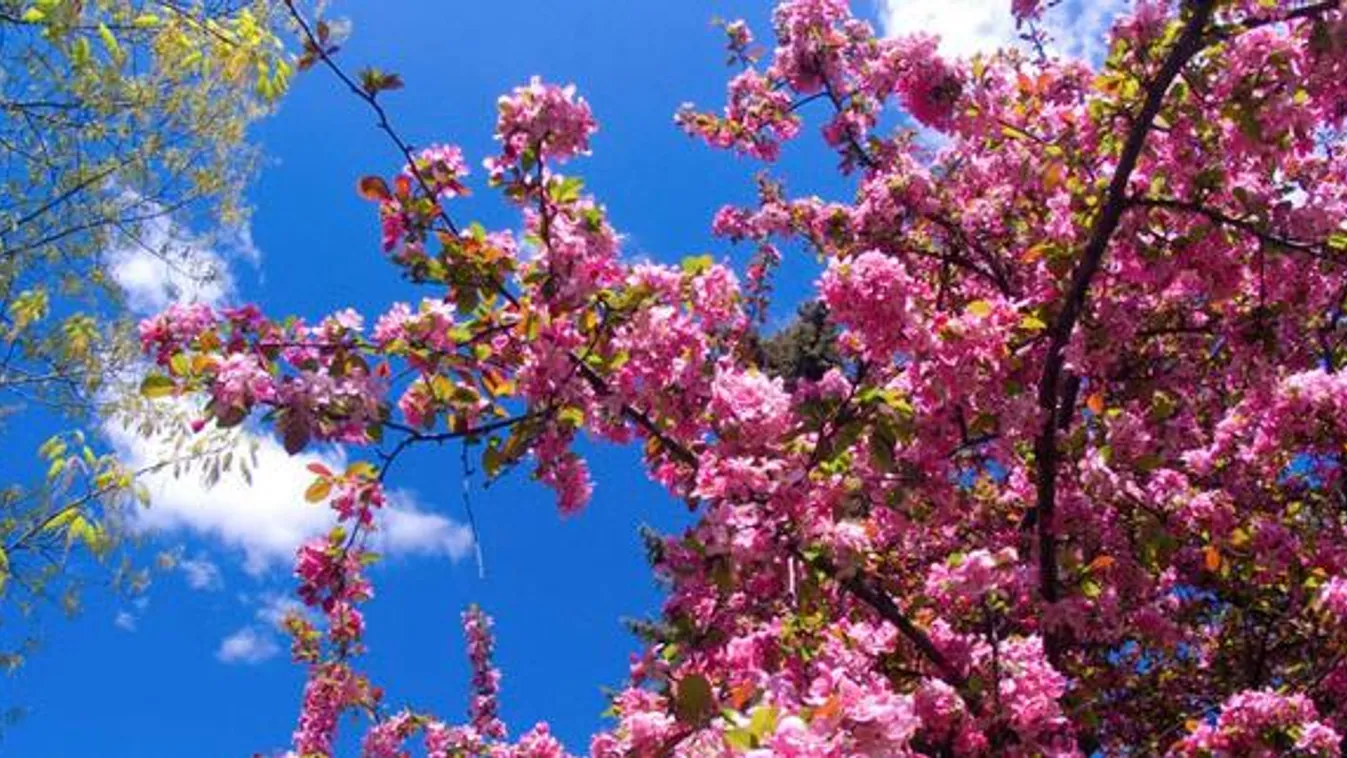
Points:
(485, 678)
(1055, 469)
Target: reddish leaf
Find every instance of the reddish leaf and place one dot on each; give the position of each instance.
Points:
(373, 188)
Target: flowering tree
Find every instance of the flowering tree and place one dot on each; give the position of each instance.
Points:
(1068, 482)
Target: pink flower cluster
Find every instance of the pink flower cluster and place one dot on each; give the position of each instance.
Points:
(540, 121)
(750, 403)
(331, 690)
(968, 579)
(928, 86)
(758, 118)
(485, 677)
(442, 168)
(175, 329)
(872, 294)
(1263, 723)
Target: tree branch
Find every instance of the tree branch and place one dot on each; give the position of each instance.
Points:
(1101, 231)
(1313, 249)
(868, 590)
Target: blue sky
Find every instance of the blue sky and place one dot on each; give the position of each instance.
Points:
(196, 664)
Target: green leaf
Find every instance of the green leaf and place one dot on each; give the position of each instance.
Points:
(1032, 323)
(362, 470)
(882, 442)
(695, 265)
(571, 416)
(694, 703)
(979, 308)
(763, 722)
(740, 738)
(156, 385)
(491, 461)
(180, 365)
(568, 190)
(374, 81)
(84, 531)
(110, 42)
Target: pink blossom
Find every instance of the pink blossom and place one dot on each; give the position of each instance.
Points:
(751, 402)
(442, 168)
(547, 119)
(485, 678)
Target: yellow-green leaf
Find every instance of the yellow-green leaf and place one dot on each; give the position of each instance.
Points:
(110, 42)
(1033, 323)
(156, 385)
(318, 491)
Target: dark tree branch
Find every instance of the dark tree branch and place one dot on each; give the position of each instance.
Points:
(868, 590)
(1314, 249)
(1188, 45)
(1304, 12)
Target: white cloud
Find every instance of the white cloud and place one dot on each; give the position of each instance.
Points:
(1077, 27)
(250, 645)
(259, 642)
(201, 573)
(128, 620)
(161, 263)
(273, 607)
(964, 26)
(406, 530)
(125, 620)
(268, 518)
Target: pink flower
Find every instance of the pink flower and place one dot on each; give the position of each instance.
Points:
(1255, 722)
(485, 678)
(1026, 9)
(544, 121)
(874, 295)
(1032, 688)
(329, 692)
(385, 739)
(175, 329)
(967, 579)
(757, 118)
(564, 471)
(242, 381)
(928, 86)
(750, 402)
(1333, 598)
(442, 168)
